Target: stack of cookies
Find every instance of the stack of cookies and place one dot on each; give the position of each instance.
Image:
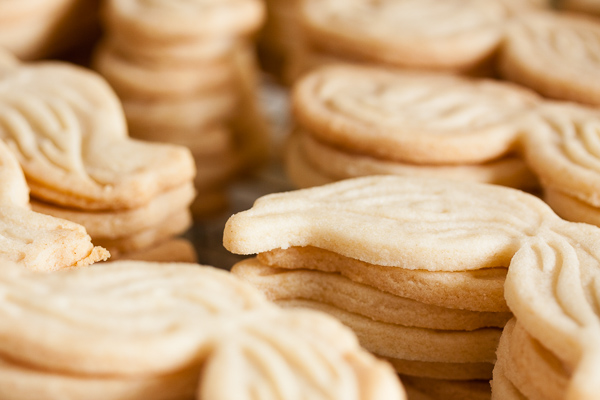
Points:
(33, 29)
(551, 350)
(415, 266)
(172, 332)
(356, 121)
(35, 241)
(182, 71)
(67, 129)
(570, 43)
(453, 35)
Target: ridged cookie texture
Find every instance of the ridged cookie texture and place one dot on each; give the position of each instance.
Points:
(168, 331)
(568, 43)
(66, 127)
(35, 241)
(426, 224)
(416, 117)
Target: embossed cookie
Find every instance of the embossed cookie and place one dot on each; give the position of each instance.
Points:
(459, 34)
(35, 241)
(568, 43)
(411, 116)
(357, 121)
(66, 127)
(414, 266)
(561, 149)
(156, 329)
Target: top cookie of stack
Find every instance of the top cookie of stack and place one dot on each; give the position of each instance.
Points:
(178, 68)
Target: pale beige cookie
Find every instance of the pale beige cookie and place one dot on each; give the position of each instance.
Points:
(171, 250)
(552, 289)
(571, 208)
(458, 34)
(435, 389)
(426, 224)
(506, 171)
(418, 344)
(367, 301)
(451, 371)
(534, 371)
(133, 80)
(174, 223)
(209, 141)
(413, 117)
(35, 241)
(562, 149)
(68, 131)
(502, 387)
(186, 113)
(155, 321)
(179, 19)
(115, 224)
(477, 290)
(568, 43)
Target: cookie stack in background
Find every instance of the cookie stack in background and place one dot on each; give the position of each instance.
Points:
(35, 29)
(455, 35)
(415, 266)
(67, 129)
(568, 42)
(357, 121)
(185, 73)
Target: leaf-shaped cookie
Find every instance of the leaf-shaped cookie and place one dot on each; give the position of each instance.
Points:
(36, 241)
(394, 221)
(416, 117)
(568, 43)
(562, 147)
(144, 320)
(66, 127)
(553, 288)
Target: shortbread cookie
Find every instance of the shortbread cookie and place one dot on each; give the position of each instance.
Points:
(175, 223)
(185, 113)
(175, 20)
(571, 208)
(411, 217)
(458, 34)
(507, 171)
(412, 116)
(35, 241)
(115, 224)
(341, 292)
(551, 288)
(152, 322)
(150, 81)
(534, 371)
(397, 341)
(570, 43)
(562, 151)
(299, 170)
(67, 129)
